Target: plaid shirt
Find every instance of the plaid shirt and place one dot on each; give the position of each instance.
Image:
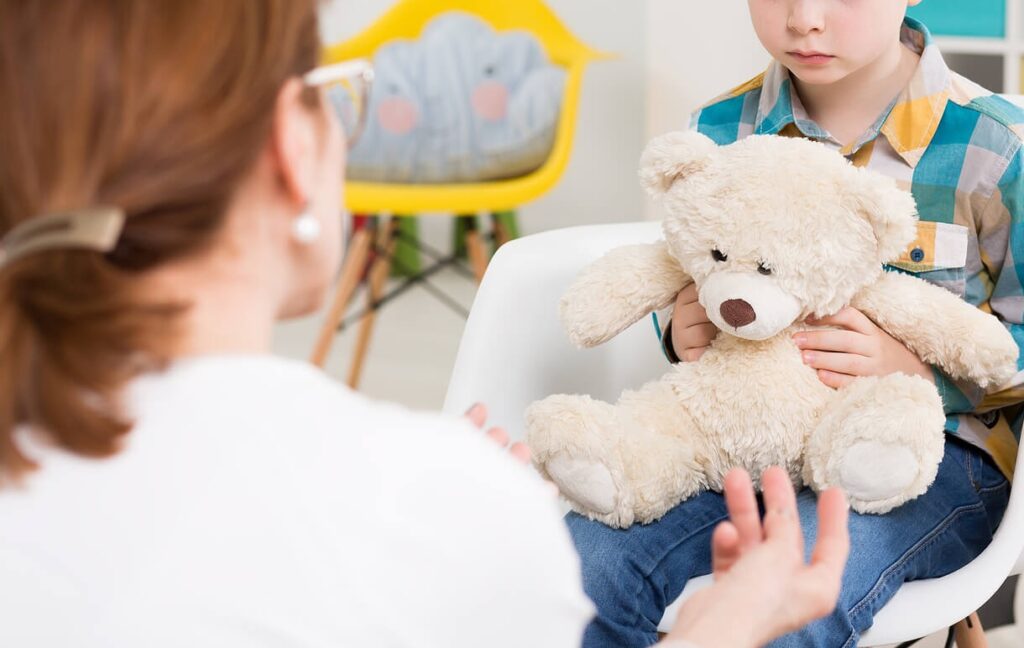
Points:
(957, 148)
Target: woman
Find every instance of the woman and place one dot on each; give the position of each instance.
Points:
(171, 184)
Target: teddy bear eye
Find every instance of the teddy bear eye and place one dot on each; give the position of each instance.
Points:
(763, 269)
(718, 256)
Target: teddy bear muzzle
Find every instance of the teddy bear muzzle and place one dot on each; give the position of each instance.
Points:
(747, 305)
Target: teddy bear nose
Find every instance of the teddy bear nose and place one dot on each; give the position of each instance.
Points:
(737, 312)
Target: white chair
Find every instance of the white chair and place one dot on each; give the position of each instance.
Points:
(513, 352)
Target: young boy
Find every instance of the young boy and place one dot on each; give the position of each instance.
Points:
(859, 77)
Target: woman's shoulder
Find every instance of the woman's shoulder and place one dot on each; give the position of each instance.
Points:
(297, 413)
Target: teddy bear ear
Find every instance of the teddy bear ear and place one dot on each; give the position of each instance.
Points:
(891, 211)
(672, 156)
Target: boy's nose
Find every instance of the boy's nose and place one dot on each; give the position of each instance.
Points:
(806, 16)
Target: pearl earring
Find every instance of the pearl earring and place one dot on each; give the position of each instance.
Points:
(306, 228)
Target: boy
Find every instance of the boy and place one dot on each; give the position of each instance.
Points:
(866, 81)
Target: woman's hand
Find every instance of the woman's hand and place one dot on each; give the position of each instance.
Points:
(763, 589)
(477, 415)
(692, 331)
(858, 348)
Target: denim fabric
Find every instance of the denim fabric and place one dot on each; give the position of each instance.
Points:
(632, 575)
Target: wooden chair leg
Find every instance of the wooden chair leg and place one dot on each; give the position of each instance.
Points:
(477, 252)
(379, 272)
(969, 633)
(505, 227)
(348, 280)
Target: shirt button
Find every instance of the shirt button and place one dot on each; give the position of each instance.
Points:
(917, 255)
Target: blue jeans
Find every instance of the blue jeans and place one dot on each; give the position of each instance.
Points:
(633, 574)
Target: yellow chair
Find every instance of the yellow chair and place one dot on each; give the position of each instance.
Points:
(405, 21)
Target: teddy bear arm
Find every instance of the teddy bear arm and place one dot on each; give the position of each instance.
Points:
(941, 329)
(618, 289)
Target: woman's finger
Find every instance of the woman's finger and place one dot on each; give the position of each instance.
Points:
(742, 505)
(477, 415)
(521, 452)
(781, 520)
(692, 355)
(725, 547)
(498, 435)
(833, 543)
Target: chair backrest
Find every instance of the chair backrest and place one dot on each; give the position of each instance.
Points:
(513, 349)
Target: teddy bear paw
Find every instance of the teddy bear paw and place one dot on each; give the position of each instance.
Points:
(584, 482)
(877, 476)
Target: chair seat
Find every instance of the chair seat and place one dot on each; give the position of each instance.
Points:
(513, 352)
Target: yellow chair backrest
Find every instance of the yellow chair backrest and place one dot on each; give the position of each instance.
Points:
(405, 21)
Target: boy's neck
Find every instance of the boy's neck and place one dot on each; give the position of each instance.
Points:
(848, 107)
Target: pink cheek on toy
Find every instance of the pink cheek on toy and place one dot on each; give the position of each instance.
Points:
(490, 100)
(397, 115)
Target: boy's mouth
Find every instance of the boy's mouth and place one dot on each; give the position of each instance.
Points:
(811, 57)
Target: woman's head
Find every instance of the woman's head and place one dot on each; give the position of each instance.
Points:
(191, 117)
(823, 41)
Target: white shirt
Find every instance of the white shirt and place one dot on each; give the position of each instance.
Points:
(258, 503)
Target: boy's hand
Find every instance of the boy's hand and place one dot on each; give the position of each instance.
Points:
(858, 348)
(692, 331)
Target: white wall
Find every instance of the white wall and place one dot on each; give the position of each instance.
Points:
(696, 50)
(599, 185)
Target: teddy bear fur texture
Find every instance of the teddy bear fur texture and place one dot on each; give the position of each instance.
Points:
(772, 230)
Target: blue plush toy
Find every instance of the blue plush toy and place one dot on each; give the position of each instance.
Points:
(463, 103)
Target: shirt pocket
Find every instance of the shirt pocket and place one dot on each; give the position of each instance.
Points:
(938, 255)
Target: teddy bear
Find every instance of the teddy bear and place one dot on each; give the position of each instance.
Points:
(772, 230)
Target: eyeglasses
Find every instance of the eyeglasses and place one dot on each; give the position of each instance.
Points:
(347, 87)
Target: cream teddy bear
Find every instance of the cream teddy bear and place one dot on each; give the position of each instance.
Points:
(772, 230)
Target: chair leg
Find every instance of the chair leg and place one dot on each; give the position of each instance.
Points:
(476, 250)
(969, 633)
(379, 271)
(505, 228)
(348, 280)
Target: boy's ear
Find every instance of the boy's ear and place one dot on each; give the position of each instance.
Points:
(672, 156)
(891, 211)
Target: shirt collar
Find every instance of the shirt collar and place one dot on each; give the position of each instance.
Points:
(908, 123)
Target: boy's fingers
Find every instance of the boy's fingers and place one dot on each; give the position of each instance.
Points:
(832, 340)
(742, 505)
(477, 414)
(843, 363)
(698, 335)
(691, 313)
(847, 318)
(688, 294)
(833, 379)
(692, 355)
(725, 547)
